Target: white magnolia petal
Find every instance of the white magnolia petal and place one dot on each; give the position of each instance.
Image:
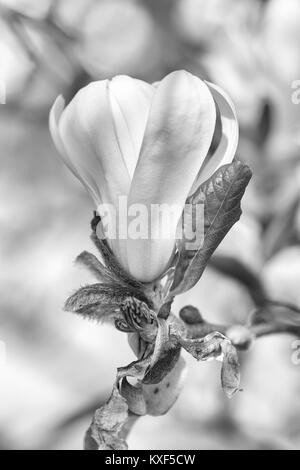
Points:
(54, 117)
(87, 130)
(227, 146)
(178, 136)
(130, 101)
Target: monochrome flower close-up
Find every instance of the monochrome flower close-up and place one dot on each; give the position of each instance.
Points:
(150, 251)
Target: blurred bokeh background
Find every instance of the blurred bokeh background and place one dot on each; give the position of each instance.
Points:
(58, 368)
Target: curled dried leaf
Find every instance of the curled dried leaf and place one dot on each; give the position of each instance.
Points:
(134, 397)
(230, 372)
(166, 362)
(216, 346)
(136, 369)
(162, 338)
(107, 423)
(205, 348)
(157, 360)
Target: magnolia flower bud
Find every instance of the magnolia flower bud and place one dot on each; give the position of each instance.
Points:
(148, 143)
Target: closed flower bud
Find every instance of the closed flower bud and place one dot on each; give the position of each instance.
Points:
(148, 143)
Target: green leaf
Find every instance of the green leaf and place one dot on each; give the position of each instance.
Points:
(221, 196)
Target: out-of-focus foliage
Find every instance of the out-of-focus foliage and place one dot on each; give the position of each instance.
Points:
(59, 367)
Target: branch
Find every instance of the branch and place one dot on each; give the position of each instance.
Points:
(263, 321)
